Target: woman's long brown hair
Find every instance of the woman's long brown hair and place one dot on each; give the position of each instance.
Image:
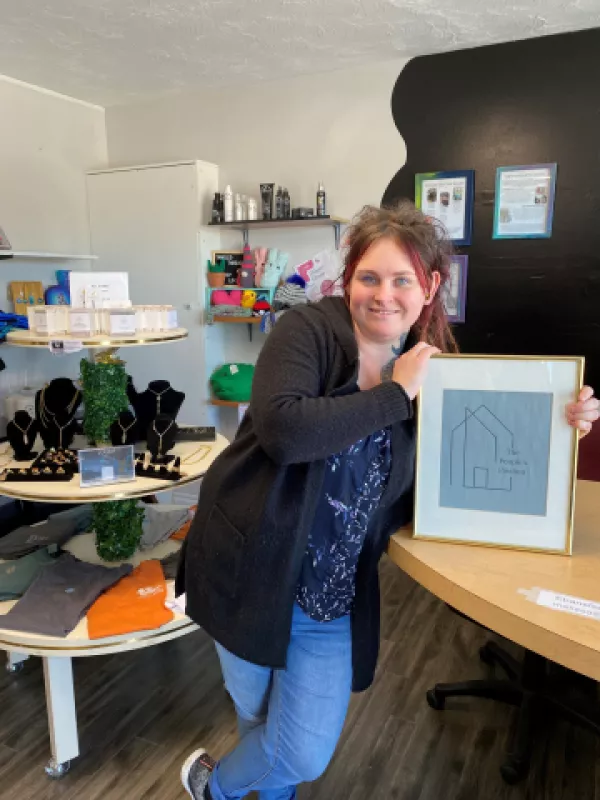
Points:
(425, 242)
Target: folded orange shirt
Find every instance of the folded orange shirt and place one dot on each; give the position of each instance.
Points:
(135, 603)
(182, 532)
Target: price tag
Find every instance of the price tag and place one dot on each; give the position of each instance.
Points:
(62, 347)
(567, 603)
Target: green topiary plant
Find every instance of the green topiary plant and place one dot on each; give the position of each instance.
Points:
(104, 385)
(118, 527)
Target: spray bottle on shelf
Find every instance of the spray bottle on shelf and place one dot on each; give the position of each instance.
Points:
(321, 201)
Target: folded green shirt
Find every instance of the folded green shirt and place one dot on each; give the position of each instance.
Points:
(18, 575)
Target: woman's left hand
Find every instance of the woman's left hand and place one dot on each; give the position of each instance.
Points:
(584, 411)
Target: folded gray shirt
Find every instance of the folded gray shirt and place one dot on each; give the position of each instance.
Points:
(161, 520)
(60, 596)
(57, 529)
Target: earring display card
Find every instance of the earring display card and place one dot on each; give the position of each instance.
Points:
(99, 466)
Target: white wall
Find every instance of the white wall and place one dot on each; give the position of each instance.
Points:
(47, 142)
(336, 128)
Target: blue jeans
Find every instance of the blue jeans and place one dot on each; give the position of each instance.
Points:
(289, 720)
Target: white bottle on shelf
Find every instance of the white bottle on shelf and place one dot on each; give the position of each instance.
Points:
(238, 210)
(252, 208)
(228, 204)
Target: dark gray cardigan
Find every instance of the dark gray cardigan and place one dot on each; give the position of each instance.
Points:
(243, 554)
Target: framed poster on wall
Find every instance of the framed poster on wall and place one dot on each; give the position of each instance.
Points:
(448, 196)
(496, 458)
(524, 206)
(454, 291)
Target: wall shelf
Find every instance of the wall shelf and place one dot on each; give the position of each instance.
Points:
(236, 320)
(32, 254)
(232, 403)
(314, 222)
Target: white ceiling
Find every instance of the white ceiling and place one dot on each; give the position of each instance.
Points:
(120, 51)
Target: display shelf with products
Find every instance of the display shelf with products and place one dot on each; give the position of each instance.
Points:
(26, 338)
(231, 319)
(42, 256)
(245, 226)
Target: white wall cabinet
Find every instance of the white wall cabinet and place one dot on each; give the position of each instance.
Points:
(149, 221)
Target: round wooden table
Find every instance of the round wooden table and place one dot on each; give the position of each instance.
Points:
(486, 585)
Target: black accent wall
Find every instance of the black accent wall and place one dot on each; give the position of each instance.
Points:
(535, 101)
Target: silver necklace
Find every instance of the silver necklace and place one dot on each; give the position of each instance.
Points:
(160, 435)
(124, 430)
(158, 396)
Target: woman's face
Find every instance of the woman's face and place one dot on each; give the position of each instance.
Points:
(384, 295)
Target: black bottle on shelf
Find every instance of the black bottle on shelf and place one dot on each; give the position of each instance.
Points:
(279, 203)
(321, 201)
(287, 207)
(217, 209)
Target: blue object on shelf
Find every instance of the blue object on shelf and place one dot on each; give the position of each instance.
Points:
(59, 295)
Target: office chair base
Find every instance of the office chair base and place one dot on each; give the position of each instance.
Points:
(531, 688)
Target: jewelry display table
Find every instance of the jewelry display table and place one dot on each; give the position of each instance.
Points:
(195, 458)
(57, 652)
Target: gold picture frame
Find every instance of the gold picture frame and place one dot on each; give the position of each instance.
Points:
(496, 459)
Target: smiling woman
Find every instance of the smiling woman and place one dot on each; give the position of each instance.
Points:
(396, 261)
(280, 565)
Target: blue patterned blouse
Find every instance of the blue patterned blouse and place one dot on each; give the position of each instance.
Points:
(354, 482)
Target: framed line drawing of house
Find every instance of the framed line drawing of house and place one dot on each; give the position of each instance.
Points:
(496, 459)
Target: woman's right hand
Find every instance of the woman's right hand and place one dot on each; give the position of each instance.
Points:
(410, 368)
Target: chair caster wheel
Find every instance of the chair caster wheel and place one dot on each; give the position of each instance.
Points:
(54, 770)
(12, 669)
(514, 771)
(436, 702)
(485, 656)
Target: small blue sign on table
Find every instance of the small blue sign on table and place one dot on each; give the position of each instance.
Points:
(99, 466)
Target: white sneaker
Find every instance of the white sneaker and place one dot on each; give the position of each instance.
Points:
(195, 773)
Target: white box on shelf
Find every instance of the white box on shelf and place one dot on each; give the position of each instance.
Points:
(99, 289)
(121, 321)
(80, 321)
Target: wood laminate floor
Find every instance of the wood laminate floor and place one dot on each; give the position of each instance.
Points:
(141, 713)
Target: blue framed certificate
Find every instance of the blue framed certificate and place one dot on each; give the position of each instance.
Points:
(524, 206)
(448, 197)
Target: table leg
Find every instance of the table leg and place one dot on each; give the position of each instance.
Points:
(15, 661)
(62, 715)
